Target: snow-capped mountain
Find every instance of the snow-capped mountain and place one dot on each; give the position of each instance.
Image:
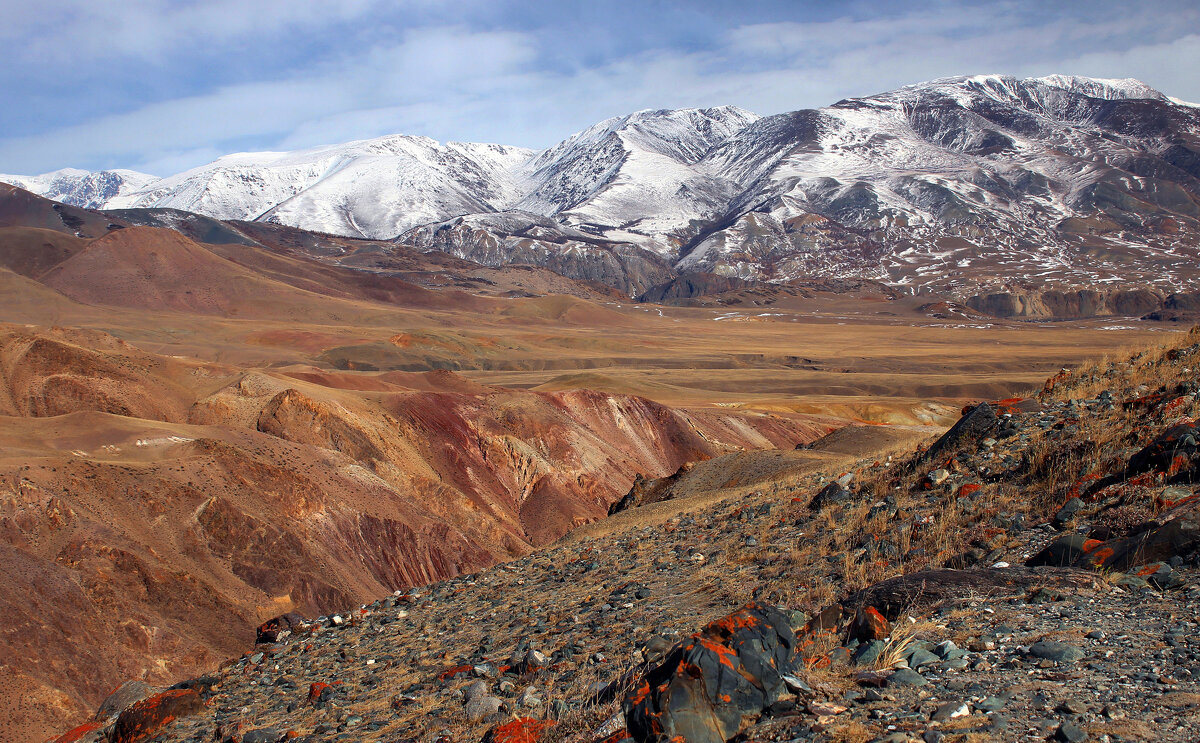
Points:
(637, 176)
(80, 187)
(960, 180)
(1074, 179)
(370, 188)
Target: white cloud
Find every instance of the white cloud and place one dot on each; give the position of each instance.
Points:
(72, 32)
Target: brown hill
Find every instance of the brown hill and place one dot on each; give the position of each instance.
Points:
(157, 509)
(21, 208)
(31, 252)
(155, 269)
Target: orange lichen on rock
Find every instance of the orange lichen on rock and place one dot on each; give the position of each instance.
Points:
(143, 720)
(74, 734)
(520, 730)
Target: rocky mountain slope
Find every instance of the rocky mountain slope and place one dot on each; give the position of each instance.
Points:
(955, 184)
(1029, 574)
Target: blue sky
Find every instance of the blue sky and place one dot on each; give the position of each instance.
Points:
(164, 85)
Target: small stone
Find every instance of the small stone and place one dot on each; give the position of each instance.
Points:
(482, 707)
(484, 671)
(825, 709)
(868, 653)
(534, 659)
(992, 704)
(796, 685)
(950, 710)
(1068, 732)
(906, 677)
(1059, 652)
(921, 657)
(1072, 707)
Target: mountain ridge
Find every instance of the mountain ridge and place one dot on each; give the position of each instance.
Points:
(1060, 180)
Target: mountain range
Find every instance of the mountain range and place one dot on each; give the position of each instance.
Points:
(959, 182)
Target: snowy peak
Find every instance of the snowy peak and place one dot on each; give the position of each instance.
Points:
(638, 172)
(997, 168)
(1109, 89)
(81, 188)
(373, 188)
(1009, 89)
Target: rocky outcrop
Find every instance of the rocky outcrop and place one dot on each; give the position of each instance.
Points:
(706, 687)
(520, 238)
(1058, 304)
(692, 285)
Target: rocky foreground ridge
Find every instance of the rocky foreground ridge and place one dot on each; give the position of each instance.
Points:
(1030, 575)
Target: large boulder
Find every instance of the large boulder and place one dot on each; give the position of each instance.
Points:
(975, 422)
(832, 494)
(143, 721)
(906, 593)
(1173, 453)
(1175, 533)
(276, 629)
(731, 669)
(126, 695)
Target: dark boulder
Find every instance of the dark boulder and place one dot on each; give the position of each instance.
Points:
(830, 495)
(732, 668)
(126, 695)
(143, 720)
(274, 630)
(1067, 550)
(1173, 452)
(974, 423)
(905, 593)
(1175, 534)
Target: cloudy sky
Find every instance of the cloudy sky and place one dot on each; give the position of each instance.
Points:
(164, 85)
